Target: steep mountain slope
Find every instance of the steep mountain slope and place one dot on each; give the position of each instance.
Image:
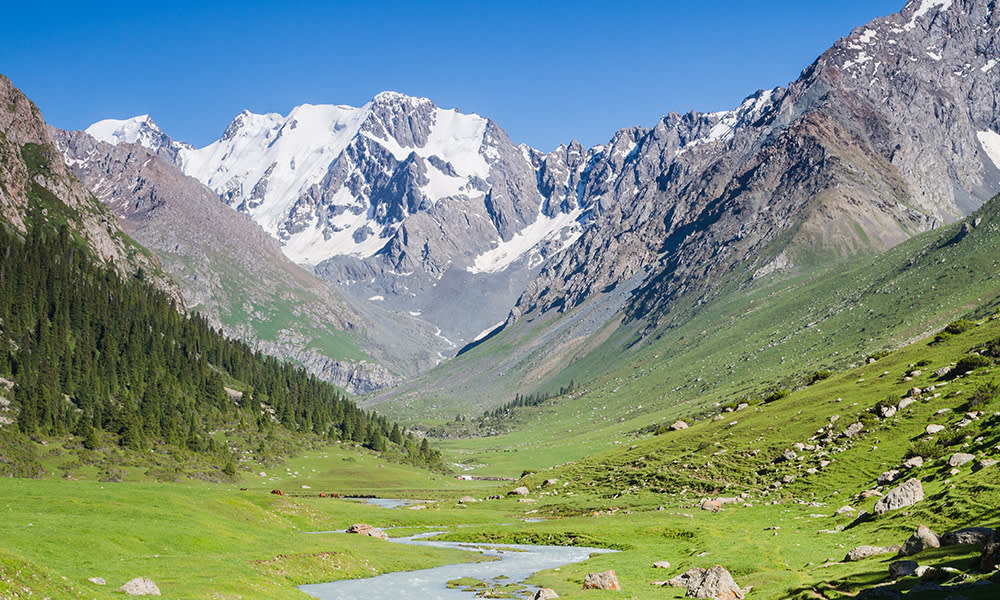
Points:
(36, 184)
(235, 274)
(842, 162)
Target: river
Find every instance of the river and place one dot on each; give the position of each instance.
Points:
(517, 563)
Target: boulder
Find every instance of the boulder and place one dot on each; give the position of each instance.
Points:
(914, 391)
(982, 464)
(845, 510)
(908, 493)
(716, 583)
(691, 577)
(888, 477)
(467, 500)
(711, 505)
(547, 483)
(886, 411)
(863, 552)
(968, 535)
(906, 402)
(902, 568)
(519, 491)
(97, 580)
(934, 428)
(678, 425)
(789, 455)
(921, 539)
(365, 529)
(942, 371)
(879, 593)
(601, 581)
(853, 429)
(960, 458)
(990, 558)
(140, 586)
(545, 594)
(661, 564)
(913, 462)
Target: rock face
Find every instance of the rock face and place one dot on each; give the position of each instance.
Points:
(140, 586)
(968, 535)
(606, 580)
(545, 594)
(921, 539)
(715, 582)
(365, 529)
(905, 494)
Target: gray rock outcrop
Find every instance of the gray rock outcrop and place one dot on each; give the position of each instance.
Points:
(863, 552)
(921, 539)
(140, 586)
(908, 493)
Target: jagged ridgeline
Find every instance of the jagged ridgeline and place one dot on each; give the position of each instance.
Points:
(112, 362)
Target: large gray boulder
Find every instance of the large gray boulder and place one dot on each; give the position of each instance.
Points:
(960, 458)
(716, 583)
(968, 535)
(863, 552)
(921, 539)
(140, 586)
(908, 493)
(545, 594)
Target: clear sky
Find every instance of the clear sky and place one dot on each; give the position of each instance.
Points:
(547, 72)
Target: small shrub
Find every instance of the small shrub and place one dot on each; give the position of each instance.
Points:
(819, 376)
(877, 355)
(926, 449)
(959, 326)
(981, 396)
(971, 362)
(661, 430)
(776, 395)
(992, 348)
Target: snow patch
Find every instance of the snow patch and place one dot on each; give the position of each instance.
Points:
(934, 56)
(376, 298)
(544, 228)
(990, 141)
(989, 65)
(140, 129)
(925, 7)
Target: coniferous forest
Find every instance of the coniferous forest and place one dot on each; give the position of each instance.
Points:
(108, 360)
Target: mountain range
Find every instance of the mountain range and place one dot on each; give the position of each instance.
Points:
(436, 217)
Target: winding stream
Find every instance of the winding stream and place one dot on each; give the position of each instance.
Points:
(517, 563)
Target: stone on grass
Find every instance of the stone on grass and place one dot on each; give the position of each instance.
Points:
(845, 510)
(467, 500)
(908, 493)
(990, 558)
(97, 580)
(863, 552)
(960, 458)
(519, 491)
(879, 593)
(942, 371)
(711, 505)
(789, 454)
(914, 391)
(692, 576)
(140, 586)
(982, 464)
(661, 564)
(365, 529)
(921, 539)
(545, 594)
(934, 428)
(968, 535)
(887, 411)
(888, 477)
(902, 568)
(678, 425)
(906, 402)
(716, 583)
(853, 429)
(914, 462)
(601, 581)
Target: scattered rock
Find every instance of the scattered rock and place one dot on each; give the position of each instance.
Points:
(982, 464)
(913, 462)
(97, 580)
(742, 405)
(934, 428)
(519, 491)
(886, 411)
(960, 458)
(914, 391)
(968, 535)
(908, 493)
(906, 402)
(902, 568)
(879, 593)
(990, 558)
(853, 429)
(365, 529)
(844, 510)
(140, 586)
(942, 371)
(467, 500)
(888, 477)
(661, 564)
(601, 581)
(716, 583)
(863, 552)
(921, 539)
(545, 594)
(788, 478)
(678, 425)
(711, 505)
(547, 483)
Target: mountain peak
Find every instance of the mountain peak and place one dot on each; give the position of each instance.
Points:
(390, 97)
(139, 129)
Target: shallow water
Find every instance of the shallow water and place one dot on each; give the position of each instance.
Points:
(385, 502)
(517, 562)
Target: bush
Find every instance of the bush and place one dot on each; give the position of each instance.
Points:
(959, 326)
(926, 449)
(982, 395)
(877, 355)
(776, 395)
(819, 376)
(971, 362)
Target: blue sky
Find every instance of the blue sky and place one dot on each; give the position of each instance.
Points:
(547, 72)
